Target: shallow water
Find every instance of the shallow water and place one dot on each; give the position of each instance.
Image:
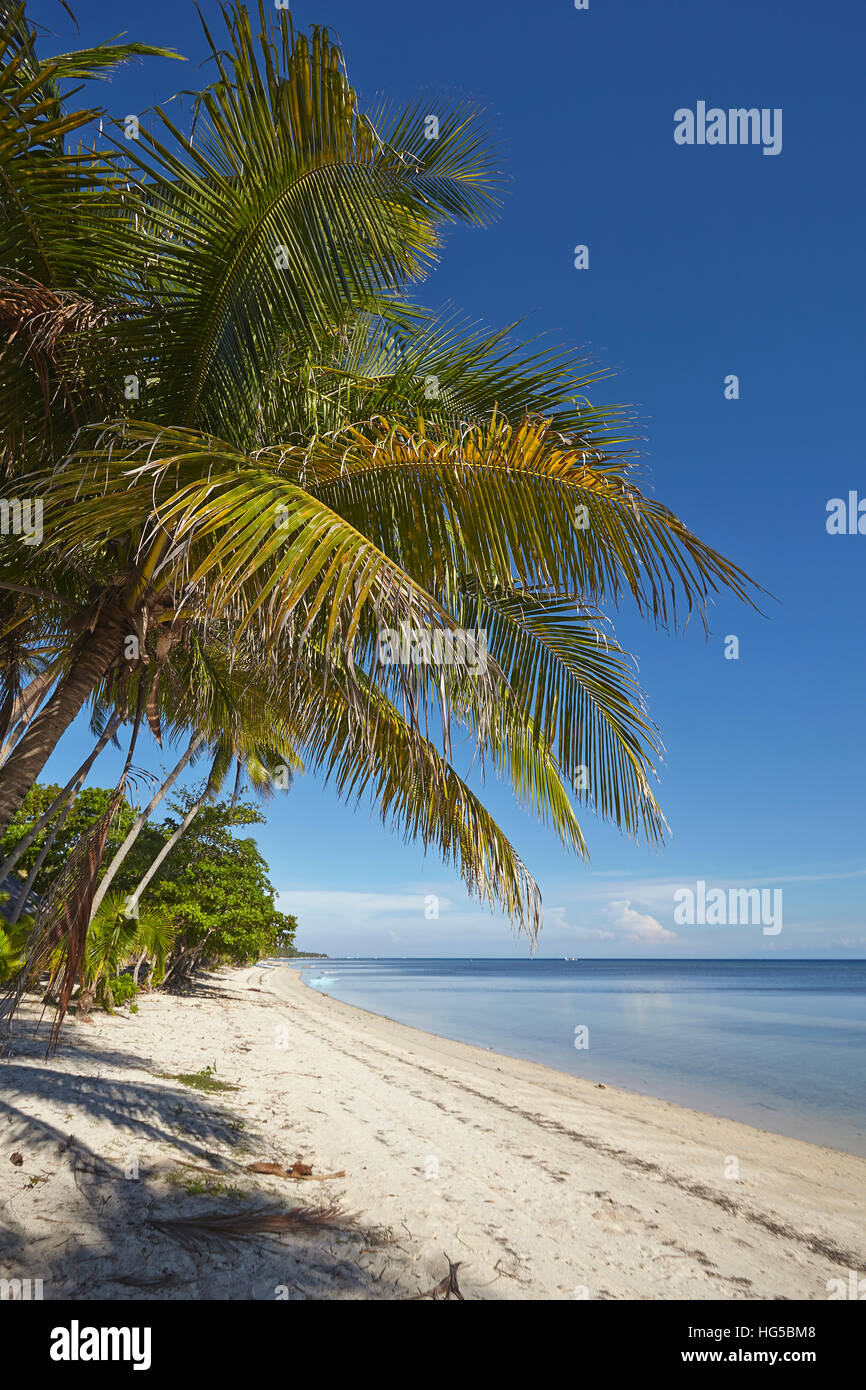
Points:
(779, 1045)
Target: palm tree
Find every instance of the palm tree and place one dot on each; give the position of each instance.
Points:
(313, 459)
(61, 803)
(13, 946)
(115, 939)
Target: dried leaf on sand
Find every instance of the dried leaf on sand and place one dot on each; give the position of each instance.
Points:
(301, 1172)
(192, 1231)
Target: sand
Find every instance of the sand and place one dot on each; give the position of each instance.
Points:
(535, 1184)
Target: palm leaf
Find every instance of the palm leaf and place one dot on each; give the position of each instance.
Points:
(286, 211)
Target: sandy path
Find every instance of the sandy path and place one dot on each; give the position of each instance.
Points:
(541, 1186)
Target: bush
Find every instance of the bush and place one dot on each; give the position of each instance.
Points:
(122, 988)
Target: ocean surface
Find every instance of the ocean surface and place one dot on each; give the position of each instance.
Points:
(779, 1045)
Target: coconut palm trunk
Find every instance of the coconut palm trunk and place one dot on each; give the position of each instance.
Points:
(66, 794)
(25, 707)
(43, 855)
(34, 748)
(169, 846)
(195, 742)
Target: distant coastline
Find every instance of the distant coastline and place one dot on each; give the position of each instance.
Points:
(291, 954)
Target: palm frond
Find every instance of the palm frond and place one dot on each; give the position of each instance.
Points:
(286, 211)
(195, 1232)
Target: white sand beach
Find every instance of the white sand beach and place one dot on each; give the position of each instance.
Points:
(535, 1184)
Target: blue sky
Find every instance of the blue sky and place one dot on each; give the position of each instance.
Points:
(704, 261)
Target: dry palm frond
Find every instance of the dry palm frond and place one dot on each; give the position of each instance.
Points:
(43, 324)
(192, 1231)
(160, 1281)
(62, 919)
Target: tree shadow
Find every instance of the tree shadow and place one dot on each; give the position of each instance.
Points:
(148, 1111)
(98, 1241)
(78, 1211)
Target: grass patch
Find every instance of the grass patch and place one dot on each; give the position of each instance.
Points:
(203, 1080)
(204, 1186)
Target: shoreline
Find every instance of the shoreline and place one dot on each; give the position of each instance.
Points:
(802, 1120)
(539, 1184)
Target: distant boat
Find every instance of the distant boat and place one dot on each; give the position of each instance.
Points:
(571, 957)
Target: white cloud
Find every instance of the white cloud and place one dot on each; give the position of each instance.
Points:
(348, 907)
(345, 921)
(637, 926)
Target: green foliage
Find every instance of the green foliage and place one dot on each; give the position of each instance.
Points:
(211, 895)
(86, 810)
(206, 1187)
(13, 942)
(122, 989)
(115, 939)
(213, 886)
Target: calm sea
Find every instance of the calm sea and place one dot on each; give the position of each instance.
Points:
(779, 1045)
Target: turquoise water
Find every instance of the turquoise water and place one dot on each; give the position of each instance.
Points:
(777, 1045)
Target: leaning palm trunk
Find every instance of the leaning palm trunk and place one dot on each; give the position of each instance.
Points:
(65, 795)
(168, 847)
(25, 707)
(194, 743)
(42, 856)
(33, 750)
